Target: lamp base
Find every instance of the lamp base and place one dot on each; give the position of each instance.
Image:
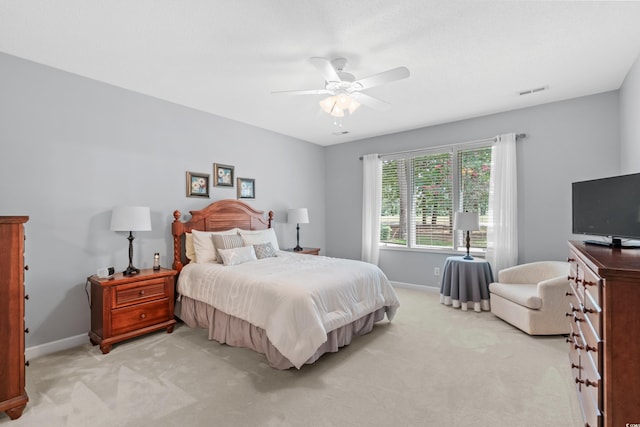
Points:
(131, 271)
(467, 257)
(298, 248)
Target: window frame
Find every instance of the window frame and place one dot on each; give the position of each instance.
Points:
(458, 240)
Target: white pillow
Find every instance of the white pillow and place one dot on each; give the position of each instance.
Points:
(203, 244)
(258, 237)
(237, 256)
(189, 249)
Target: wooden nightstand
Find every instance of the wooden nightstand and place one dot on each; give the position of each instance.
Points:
(308, 251)
(128, 306)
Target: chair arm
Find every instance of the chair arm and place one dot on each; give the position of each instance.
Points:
(552, 289)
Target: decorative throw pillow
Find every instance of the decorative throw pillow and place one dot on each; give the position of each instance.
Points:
(226, 241)
(257, 237)
(264, 250)
(205, 251)
(238, 255)
(189, 249)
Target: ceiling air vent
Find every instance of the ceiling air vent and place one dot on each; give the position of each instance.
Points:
(536, 90)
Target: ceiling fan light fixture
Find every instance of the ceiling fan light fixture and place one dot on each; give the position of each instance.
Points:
(330, 106)
(336, 105)
(353, 106)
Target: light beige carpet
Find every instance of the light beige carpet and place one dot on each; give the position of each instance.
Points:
(432, 366)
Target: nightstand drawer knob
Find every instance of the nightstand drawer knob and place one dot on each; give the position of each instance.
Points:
(26, 331)
(26, 267)
(142, 316)
(26, 296)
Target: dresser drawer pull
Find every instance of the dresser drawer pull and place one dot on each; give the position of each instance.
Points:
(143, 316)
(588, 310)
(26, 267)
(26, 363)
(26, 296)
(578, 347)
(570, 278)
(589, 348)
(589, 283)
(574, 366)
(26, 330)
(568, 294)
(570, 259)
(587, 382)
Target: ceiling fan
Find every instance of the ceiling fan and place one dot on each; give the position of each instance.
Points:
(345, 92)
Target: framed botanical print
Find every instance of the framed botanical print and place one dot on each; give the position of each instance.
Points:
(222, 175)
(197, 184)
(246, 188)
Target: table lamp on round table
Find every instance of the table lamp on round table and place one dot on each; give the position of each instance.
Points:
(466, 221)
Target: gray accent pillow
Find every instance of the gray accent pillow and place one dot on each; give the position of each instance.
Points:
(264, 250)
(226, 241)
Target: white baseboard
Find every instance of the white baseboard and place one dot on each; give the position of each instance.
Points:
(54, 346)
(426, 288)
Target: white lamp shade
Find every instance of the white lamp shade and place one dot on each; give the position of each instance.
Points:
(298, 216)
(467, 221)
(131, 218)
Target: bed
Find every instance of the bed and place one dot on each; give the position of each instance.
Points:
(290, 307)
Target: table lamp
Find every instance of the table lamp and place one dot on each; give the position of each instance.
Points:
(298, 216)
(466, 221)
(130, 218)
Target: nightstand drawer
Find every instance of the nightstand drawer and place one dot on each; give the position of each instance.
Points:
(139, 316)
(135, 293)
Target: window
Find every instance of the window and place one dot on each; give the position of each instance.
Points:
(422, 190)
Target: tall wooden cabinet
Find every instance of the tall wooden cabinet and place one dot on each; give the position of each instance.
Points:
(604, 343)
(13, 396)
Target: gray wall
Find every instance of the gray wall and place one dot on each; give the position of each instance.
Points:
(73, 148)
(566, 141)
(630, 121)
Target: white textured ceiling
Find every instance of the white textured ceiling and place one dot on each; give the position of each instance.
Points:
(467, 58)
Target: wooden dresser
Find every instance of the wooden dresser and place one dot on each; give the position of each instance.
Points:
(13, 396)
(604, 343)
(124, 307)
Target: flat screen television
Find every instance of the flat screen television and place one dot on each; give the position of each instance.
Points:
(607, 207)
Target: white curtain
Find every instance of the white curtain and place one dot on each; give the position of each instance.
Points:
(371, 205)
(502, 235)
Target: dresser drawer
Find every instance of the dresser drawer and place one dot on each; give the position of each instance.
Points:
(590, 282)
(593, 313)
(574, 352)
(138, 292)
(139, 316)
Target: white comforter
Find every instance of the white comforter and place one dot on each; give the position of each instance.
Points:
(295, 298)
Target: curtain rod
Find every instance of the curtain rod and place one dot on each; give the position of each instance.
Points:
(494, 139)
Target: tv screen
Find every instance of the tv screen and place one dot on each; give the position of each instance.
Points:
(607, 207)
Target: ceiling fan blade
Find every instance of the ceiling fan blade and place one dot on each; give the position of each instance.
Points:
(370, 101)
(326, 69)
(381, 78)
(301, 92)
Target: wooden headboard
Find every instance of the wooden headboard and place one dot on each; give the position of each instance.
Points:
(218, 216)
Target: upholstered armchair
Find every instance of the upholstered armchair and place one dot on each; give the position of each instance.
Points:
(532, 297)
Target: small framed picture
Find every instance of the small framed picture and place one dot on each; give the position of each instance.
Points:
(223, 175)
(246, 188)
(197, 184)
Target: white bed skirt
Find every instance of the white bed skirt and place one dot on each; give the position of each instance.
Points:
(236, 332)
